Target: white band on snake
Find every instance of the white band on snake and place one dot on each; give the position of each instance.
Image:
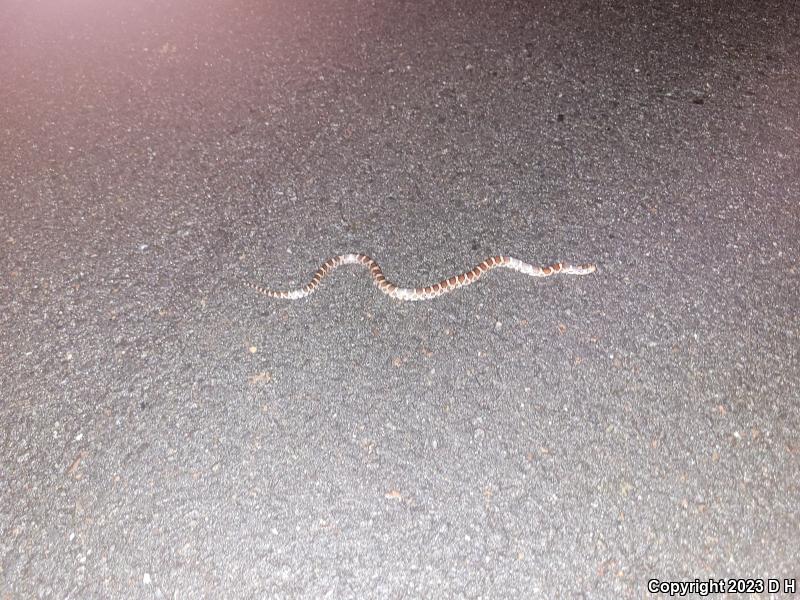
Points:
(422, 293)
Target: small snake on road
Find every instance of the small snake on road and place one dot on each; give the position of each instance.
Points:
(421, 293)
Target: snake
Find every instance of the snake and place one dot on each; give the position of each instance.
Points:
(445, 286)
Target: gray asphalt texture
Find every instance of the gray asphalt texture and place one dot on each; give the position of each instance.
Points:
(166, 432)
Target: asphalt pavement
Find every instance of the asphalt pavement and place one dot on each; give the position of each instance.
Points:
(167, 432)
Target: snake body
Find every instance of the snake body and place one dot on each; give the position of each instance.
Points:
(421, 293)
